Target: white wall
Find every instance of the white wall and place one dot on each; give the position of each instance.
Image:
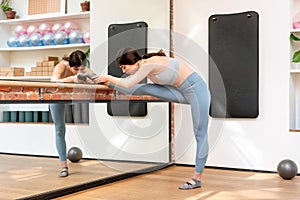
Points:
(244, 143)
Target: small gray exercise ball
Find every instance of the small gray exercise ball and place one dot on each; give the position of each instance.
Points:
(287, 169)
(74, 154)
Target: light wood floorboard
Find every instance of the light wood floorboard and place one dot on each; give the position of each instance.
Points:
(23, 176)
(218, 184)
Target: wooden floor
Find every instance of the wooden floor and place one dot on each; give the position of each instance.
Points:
(217, 185)
(23, 176)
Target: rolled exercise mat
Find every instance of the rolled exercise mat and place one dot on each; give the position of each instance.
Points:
(69, 114)
(21, 116)
(85, 113)
(45, 116)
(13, 116)
(28, 116)
(77, 112)
(6, 116)
(35, 116)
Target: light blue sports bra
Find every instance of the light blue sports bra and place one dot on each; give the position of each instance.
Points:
(169, 75)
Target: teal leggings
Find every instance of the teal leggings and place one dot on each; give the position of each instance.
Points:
(58, 115)
(193, 91)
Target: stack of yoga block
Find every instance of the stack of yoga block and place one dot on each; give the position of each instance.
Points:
(12, 71)
(44, 67)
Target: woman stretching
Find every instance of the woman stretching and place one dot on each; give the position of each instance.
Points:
(172, 81)
(66, 71)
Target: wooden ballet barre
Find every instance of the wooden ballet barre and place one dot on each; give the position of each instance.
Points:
(14, 91)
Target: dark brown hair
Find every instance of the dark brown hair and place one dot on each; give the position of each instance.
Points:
(76, 59)
(129, 56)
(159, 53)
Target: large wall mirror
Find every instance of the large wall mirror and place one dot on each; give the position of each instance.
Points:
(114, 147)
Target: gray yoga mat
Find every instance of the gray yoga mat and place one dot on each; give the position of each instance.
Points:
(234, 65)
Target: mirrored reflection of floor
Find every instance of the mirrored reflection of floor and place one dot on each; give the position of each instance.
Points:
(22, 176)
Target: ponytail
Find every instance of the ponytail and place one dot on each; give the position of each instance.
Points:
(149, 55)
(66, 58)
(129, 56)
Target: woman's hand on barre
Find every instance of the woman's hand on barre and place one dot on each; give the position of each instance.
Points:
(104, 79)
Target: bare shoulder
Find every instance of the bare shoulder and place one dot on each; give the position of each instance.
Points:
(158, 60)
(61, 64)
(59, 70)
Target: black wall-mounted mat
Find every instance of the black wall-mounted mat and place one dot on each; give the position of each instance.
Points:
(122, 36)
(234, 65)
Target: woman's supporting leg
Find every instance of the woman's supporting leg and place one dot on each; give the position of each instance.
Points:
(58, 116)
(200, 115)
(197, 94)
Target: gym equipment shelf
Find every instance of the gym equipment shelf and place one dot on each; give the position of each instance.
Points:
(43, 18)
(27, 78)
(44, 47)
(294, 71)
(28, 56)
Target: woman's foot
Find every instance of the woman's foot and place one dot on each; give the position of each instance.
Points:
(192, 184)
(64, 172)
